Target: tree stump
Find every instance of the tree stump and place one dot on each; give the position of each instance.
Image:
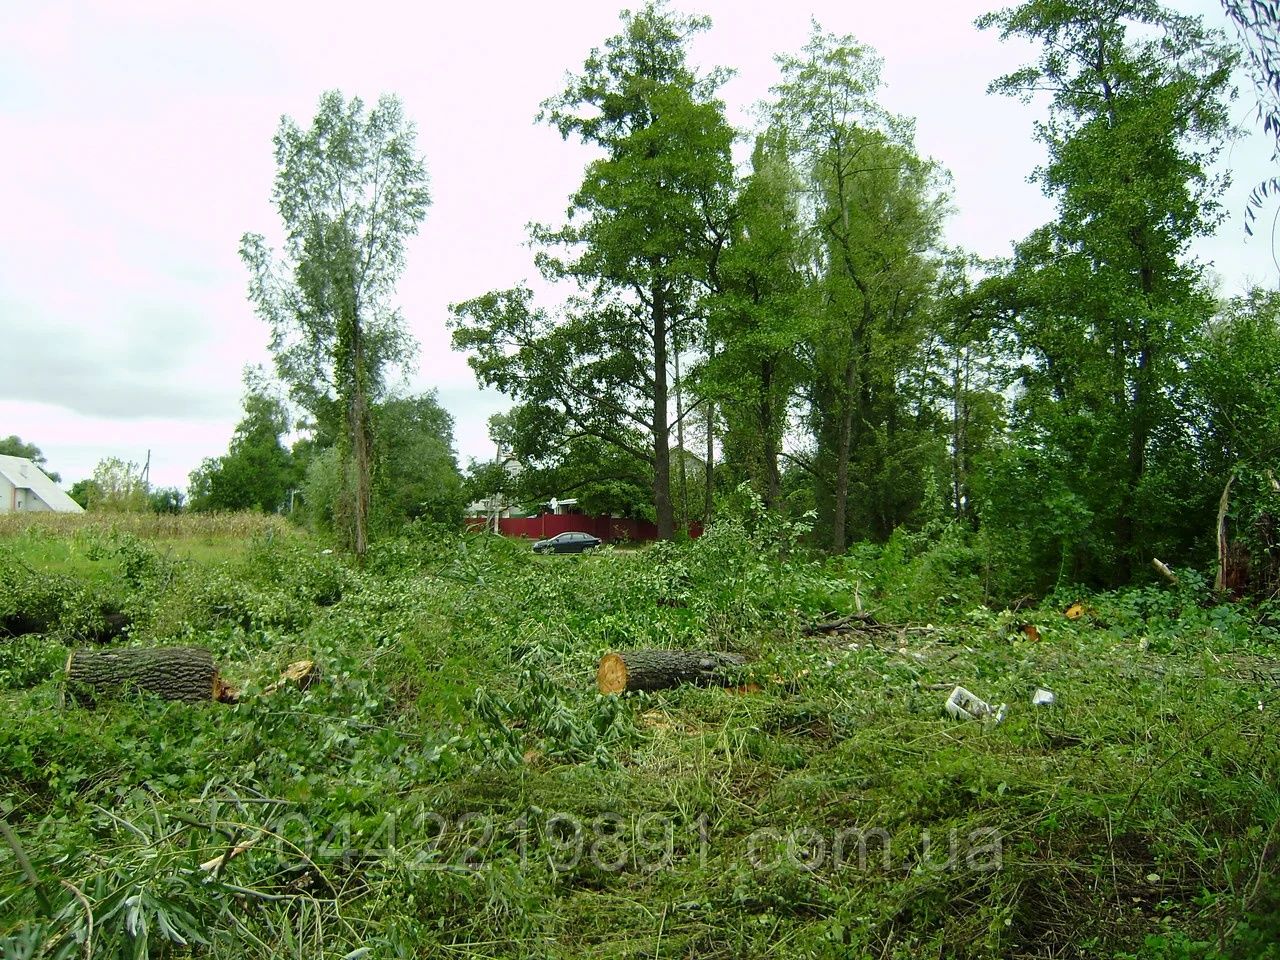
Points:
(299, 674)
(662, 669)
(174, 673)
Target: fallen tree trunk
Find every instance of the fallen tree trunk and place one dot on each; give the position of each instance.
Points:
(1162, 568)
(174, 673)
(661, 669)
(850, 623)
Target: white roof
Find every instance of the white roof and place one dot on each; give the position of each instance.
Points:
(25, 475)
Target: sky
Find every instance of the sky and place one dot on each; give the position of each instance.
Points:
(135, 150)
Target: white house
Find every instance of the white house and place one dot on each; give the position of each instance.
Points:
(25, 488)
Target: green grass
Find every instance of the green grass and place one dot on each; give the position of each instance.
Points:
(452, 785)
(68, 543)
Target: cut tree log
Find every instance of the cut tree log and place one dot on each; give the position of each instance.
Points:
(662, 669)
(174, 673)
(1162, 568)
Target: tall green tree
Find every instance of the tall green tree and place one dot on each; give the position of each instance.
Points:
(760, 313)
(417, 476)
(350, 190)
(877, 210)
(117, 487)
(644, 231)
(969, 362)
(1104, 300)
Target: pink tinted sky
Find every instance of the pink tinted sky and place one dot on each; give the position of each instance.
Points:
(137, 150)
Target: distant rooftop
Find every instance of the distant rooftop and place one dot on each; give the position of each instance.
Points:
(25, 475)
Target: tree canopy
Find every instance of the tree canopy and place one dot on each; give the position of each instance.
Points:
(257, 471)
(792, 317)
(350, 190)
(1103, 302)
(640, 247)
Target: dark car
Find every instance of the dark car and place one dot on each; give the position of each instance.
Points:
(567, 543)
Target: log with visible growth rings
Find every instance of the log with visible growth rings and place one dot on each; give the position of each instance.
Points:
(661, 669)
(174, 673)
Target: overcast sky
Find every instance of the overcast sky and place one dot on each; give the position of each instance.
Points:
(135, 149)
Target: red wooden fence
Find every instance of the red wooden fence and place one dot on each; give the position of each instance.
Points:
(550, 524)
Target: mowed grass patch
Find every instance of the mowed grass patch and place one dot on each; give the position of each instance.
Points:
(452, 784)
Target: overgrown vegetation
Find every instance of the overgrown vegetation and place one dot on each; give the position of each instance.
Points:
(922, 471)
(1077, 408)
(451, 784)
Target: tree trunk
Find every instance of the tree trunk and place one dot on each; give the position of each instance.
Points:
(843, 445)
(768, 435)
(661, 669)
(682, 467)
(174, 673)
(772, 481)
(661, 427)
(360, 445)
(1127, 534)
(958, 416)
(709, 492)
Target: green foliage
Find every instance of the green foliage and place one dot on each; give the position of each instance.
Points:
(968, 367)
(640, 246)
(117, 487)
(1232, 401)
(167, 500)
(350, 191)
(557, 725)
(83, 492)
(451, 778)
(417, 475)
(450, 782)
(322, 491)
(1103, 303)
(876, 220)
(257, 471)
(933, 574)
(1234, 392)
(417, 472)
(760, 315)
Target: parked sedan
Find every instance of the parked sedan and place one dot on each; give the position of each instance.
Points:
(567, 543)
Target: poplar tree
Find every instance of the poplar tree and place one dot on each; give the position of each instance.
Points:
(350, 190)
